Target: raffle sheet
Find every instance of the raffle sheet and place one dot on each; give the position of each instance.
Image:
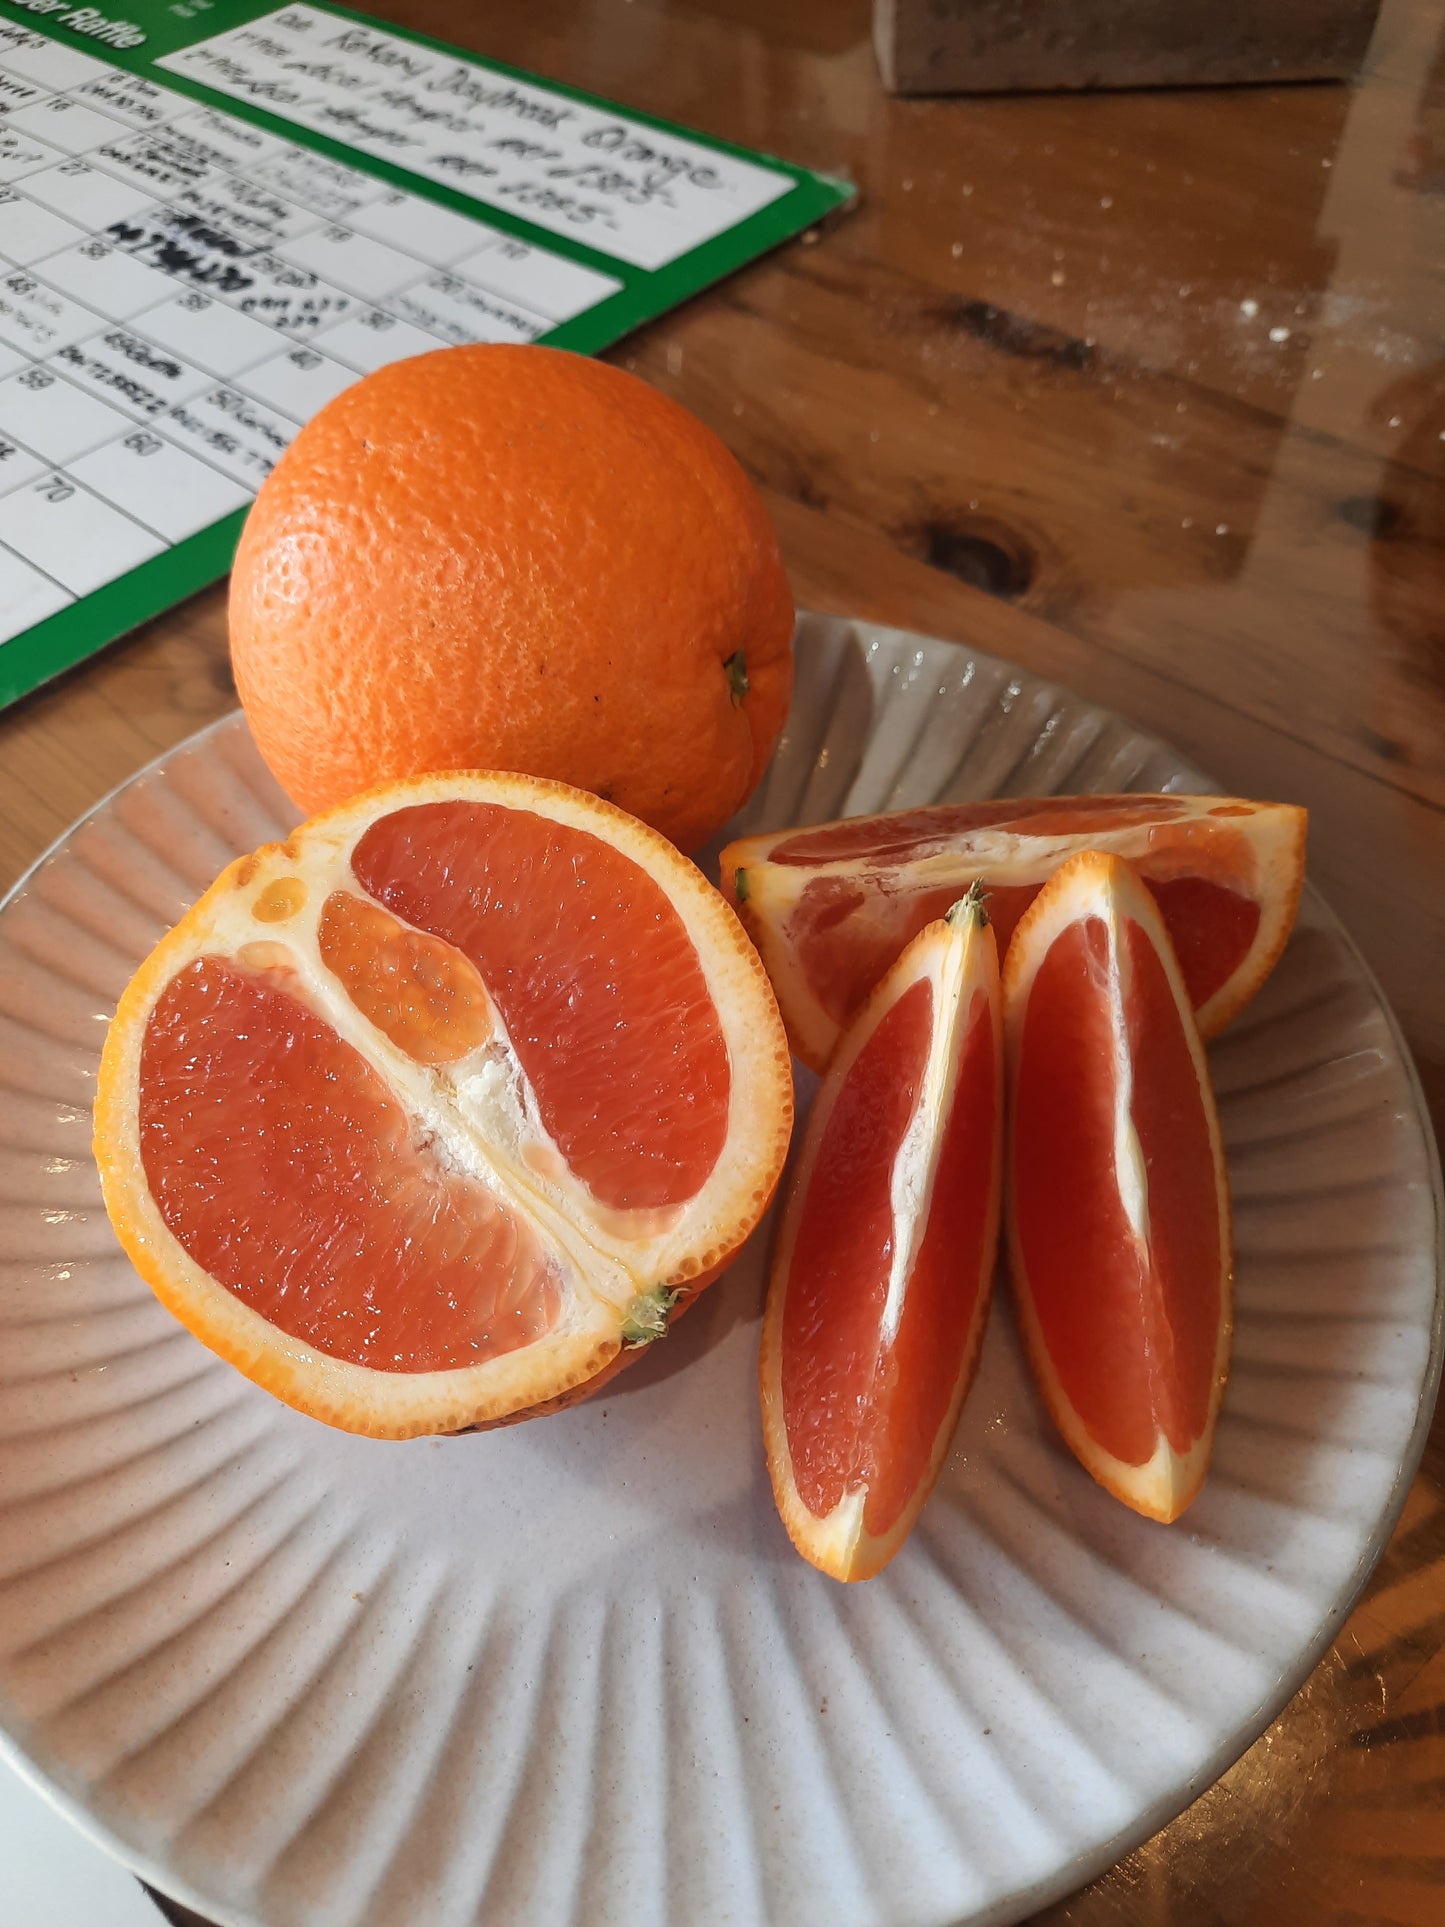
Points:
(216, 216)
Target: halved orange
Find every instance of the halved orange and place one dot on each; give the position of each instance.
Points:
(883, 1271)
(830, 908)
(428, 1115)
(1119, 1224)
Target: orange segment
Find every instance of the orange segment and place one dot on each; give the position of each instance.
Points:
(321, 1142)
(420, 992)
(830, 908)
(838, 1283)
(882, 1276)
(284, 1167)
(1119, 1214)
(613, 1026)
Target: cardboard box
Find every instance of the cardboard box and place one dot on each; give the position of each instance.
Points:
(1018, 46)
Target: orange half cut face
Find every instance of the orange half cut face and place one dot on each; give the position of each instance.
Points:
(423, 1117)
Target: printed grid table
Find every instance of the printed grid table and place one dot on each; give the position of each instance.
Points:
(179, 291)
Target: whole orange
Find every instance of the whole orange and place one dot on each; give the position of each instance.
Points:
(514, 558)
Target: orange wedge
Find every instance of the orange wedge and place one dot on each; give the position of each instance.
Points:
(884, 1265)
(830, 908)
(429, 1116)
(1119, 1223)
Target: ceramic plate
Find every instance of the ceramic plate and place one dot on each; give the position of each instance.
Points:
(573, 1671)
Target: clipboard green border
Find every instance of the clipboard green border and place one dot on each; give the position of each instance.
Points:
(73, 634)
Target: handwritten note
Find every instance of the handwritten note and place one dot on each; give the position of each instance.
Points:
(640, 194)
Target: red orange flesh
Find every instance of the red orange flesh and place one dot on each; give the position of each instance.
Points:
(242, 1082)
(1119, 1230)
(883, 1272)
(614, 1026)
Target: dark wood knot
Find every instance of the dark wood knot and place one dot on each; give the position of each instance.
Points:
(977, 549)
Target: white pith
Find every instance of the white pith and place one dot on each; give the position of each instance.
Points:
(1272, 835)
(477, 1116)
(953, 960)
(1097, 887)
(1130, 1174)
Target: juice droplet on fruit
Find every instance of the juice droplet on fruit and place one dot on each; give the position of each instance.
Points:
(281, 899)
(419, 990)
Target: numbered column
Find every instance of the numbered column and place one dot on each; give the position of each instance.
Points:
(72, 536)
(171, 492)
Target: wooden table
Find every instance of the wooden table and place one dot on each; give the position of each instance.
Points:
(1146, 392)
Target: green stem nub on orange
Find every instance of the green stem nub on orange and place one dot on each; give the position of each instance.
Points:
(647, 1316)
(736, 668)
(972, 907)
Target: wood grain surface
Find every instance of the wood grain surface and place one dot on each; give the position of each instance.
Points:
(1146, 392)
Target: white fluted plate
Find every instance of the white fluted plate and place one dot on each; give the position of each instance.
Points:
(573, 1672)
